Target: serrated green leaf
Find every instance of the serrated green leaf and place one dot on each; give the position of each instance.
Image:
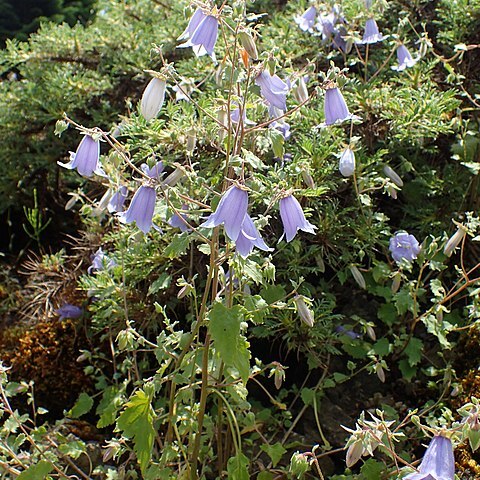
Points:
(382, 347)
(272, 293)
(372, 470)
(109, 405)
(225, 331)
(474, 439)
(413, 351)
(37, 472)
(275, 452)
(237, 467)
(136, 422)
(73, 449)
(82, 406)
(161, 283)
(178, 246)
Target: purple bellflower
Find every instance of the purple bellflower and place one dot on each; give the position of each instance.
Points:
(235, 116)
(282, 127)
(100, 260)
(177, 222)
(231, 211)
(68, 310)
(86, 158)
(201, 34)
(340, 42)
(347, 163)
(118, 199)
(371, 33)
(273, 89)
(293, 218)
(438, 462)
(336, 110)
(153, 172)
(141, 209)
(404, 58)
(249, 238)
(349, 333)
(326, 26)
(404, 247)
(306, 21)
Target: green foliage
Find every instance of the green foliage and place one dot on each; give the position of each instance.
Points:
(136, 422)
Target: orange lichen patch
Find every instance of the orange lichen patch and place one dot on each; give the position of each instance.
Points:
(46, 354)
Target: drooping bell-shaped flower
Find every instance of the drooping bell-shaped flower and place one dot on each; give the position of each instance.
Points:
(118, 199)
(99, 260)
(230, 212)
(393, 176)
(307, 19)
(282, 127)
(438, 463)
(454, 241)
(346, 164)
(336, 110)
(68, 310)
(180, 221)
(339, 41)
(235, 116)
(249, 237)
(153, 172)
(201, 34)
(326, 26)
(273, 89)
(293, 218)
(405, 60)
(404, 247)
(153, 98)
(86, 159)
(371, 33)
(141, 209)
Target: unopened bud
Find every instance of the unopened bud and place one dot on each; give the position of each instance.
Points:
(70, 204)
(248, 43)
(393, 176)
(153, 98)
(346, 164)
(354, 453)
(396, 282)
(454, 241)
(380, 372)
(308, 179)
(306, 315)
(191, 141)
(300, 91)
(392, 192)
(174, 177)
(223, 120)
(184, 291)
(357, 275)
(371, 332)
(299, 465)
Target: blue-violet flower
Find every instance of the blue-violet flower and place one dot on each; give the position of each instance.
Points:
(405, 60)
(201, 34)
(404, 247)
(86, 158)
(68, 310)
(118, 199)
(438, 463)
(230, 212)
(347, 163)
(249, 237)
(141, 209)
(336, 110)
(273, 89)
(293, 218)
(371, 34)
(307, 20)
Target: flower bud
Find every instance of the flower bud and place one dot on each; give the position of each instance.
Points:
(153, 98)
(396, 282)
(248, 43)
(380, 372)
(222, 118)
(174, 177)
(299, 465)
(191, 141)
(300, 91)
(371, 332)
(357, 275)
(306, 315)
(454, 241)
(354, 453)
(392, 192)
(347, 163)
(308, 179)
(393, 176)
